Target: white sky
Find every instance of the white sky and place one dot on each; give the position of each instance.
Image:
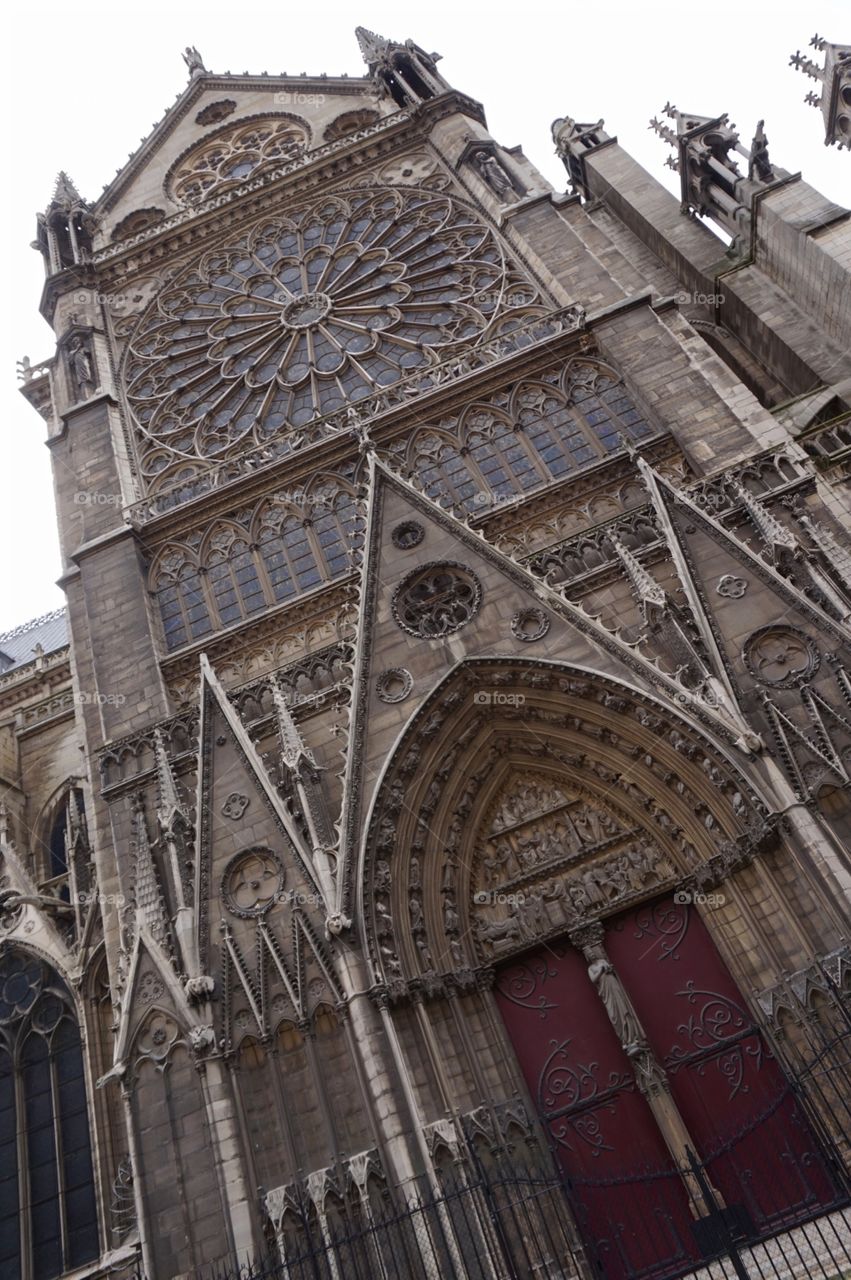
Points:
(86, 82)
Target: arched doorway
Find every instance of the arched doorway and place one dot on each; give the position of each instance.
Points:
(589, 855)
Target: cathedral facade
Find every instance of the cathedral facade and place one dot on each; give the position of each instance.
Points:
(425, 833)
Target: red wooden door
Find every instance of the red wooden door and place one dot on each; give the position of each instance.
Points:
(630, 1203)
(750, 1132)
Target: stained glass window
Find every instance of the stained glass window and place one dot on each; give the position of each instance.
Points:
(48, 1216)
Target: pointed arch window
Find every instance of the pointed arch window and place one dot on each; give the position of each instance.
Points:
(546, 430)
(294, 545)
(180, 594)
(48, 1213)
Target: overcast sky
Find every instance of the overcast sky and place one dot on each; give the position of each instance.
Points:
(86, 82)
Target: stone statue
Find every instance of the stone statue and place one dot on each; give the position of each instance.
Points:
(494, 175)
(80, 367)
(193, 60)
(759, 166)
(602, 974)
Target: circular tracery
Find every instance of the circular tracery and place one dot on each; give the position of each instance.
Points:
(304, 315)
(234, 154)
(253, 882)
(436, 600)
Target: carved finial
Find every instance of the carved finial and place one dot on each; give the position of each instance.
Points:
(646, 588)
(663, 131)
(372, 46)
(169, 805)
(809, 68)
(669, 110)
(292, 745)
(817, 42)
(65, 194)
(150, 908)
(774, 534)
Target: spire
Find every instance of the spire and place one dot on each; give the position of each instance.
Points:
(834, 79)
(373, 47)
(65, 194)
(651, 596)
(776, 536)
(294, 751)
(150, 908)
(170, 808)
(405, 73)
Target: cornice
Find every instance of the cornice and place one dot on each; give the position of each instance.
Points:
(30, 681)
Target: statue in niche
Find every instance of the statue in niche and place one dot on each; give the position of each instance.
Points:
(80, 367)
(494, 175)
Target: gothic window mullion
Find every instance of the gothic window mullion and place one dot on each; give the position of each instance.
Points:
(59, 1155)
(475, 470)
(209, 602)
(316, 548)
(262, 576)
(540, 467)
(24, 1222)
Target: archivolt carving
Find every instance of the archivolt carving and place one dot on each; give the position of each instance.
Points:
(499, 824)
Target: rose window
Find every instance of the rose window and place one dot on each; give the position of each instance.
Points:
(234, 155)
(308, 314)
(436, 600)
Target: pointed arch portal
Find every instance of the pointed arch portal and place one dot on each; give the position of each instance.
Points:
(548, 827)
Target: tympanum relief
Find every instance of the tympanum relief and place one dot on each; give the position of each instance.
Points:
(548, 858)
